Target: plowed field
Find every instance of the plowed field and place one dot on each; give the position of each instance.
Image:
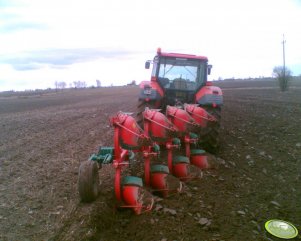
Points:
(44, 138)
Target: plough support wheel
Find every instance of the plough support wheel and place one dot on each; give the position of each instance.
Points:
(88, 181)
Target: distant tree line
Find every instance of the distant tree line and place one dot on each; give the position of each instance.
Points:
(79, 84)
(132, 83)
(60, 85)
(75, 84)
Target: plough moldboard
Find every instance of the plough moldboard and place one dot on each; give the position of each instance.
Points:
(176, 132)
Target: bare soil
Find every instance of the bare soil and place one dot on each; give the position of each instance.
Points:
(44, 138)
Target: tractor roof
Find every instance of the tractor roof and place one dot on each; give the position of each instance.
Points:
(177, 55)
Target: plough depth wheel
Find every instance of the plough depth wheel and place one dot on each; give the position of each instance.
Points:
(88, 181)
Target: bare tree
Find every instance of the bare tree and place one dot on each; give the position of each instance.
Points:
(79, 84)
(98, 83)
(56, 85)
(283, 75)
(75, 84)
(60, 85)
(83, 84)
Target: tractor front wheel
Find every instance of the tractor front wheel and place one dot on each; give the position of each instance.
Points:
(88, 181)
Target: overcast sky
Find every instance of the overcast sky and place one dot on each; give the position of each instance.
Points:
(43, 41)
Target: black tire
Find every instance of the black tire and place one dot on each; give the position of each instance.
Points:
(210, 141)
(88, 181)
(215, 111)
(140, 108)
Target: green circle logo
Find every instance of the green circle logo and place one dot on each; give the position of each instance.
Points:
(281, 229)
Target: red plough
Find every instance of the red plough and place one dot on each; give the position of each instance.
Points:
(169, 132)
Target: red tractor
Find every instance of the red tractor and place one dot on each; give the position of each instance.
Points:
(177, 79)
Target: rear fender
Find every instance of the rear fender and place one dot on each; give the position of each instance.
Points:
(209, 95)
(150, 91)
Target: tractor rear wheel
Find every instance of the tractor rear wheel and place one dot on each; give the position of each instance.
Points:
(88, 181)
(210, 141)
(215, 111)
(140, 108)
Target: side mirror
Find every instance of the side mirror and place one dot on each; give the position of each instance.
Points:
(147, 64)
(209, 67)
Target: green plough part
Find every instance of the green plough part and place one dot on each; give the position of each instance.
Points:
(176, 141)
(193, 135)
(105, 155)
(156, 148)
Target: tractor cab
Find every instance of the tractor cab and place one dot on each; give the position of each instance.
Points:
(180, 76)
